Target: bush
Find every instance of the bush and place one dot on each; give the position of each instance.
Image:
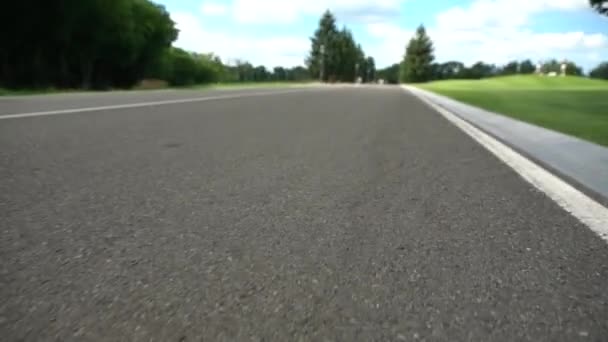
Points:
(601, 71)
(184, 68)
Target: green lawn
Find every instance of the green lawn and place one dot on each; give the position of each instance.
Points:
(572, 105)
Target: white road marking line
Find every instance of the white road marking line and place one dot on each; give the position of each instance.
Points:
(141, 104)
(581, 206)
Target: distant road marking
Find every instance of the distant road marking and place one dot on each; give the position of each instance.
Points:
(584, 208)
(143, 104)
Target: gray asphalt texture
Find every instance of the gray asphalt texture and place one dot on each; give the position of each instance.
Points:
(334, 214)
(579, 161)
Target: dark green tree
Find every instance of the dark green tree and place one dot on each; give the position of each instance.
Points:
(188, 68)
(416, 64)
(511, 68)
(245, 71)
(448, 70)
(480, 70)
(527, 67)
(573, 69)
(360, 64)
(90, 44)
(183, 68)
(370, 69)
(279, 74)
(600, 71)
(390, 74)
(322, 57)
(298, 73)
(552, 65)
(600, 5)
(346, 57)
(260, 74)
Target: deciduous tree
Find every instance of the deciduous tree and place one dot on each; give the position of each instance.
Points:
(527, 67)
(600, 71)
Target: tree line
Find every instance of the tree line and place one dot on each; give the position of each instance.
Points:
(336, 57)
(245, 72)
(83, 44)
(418, 65)
(183, 68)
(100, 44)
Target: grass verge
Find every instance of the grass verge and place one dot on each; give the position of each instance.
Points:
(572, 105)
(244, 85)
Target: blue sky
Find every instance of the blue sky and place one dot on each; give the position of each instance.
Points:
(276, 32)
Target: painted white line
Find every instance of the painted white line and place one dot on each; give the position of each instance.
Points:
(581, 206)
(142, 104)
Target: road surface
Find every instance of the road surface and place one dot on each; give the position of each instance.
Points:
(338, 214)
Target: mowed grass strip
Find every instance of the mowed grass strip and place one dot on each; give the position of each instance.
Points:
(572, 105)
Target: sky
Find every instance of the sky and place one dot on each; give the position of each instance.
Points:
(277, 32)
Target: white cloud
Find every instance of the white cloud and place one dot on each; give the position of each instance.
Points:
(268, 51)
(494, 31)
(501, 13)
(213, 9)
(389, 41)
(289, 11)
(275, 50)
(594, 57)
(596, 40)
(502, 45)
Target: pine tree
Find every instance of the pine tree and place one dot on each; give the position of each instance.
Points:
(342, 58)
(347, 57)
(325, 36)
(416, 64)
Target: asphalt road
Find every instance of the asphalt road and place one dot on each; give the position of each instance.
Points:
(346, 214)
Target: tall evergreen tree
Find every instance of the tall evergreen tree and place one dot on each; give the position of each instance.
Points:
(416, 64)
(325, 36)
(342, 58)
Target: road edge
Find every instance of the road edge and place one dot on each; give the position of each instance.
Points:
(587, 210)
